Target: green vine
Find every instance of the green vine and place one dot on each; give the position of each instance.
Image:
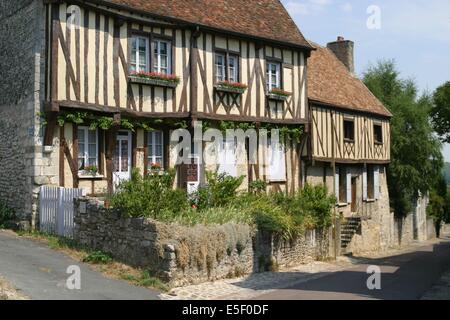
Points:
(286, 132)
(106, 123)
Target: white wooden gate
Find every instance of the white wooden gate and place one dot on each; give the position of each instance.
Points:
(56, 210)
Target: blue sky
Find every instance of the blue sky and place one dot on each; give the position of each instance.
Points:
(415, 33)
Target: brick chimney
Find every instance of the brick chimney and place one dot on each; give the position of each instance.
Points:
(343, 50)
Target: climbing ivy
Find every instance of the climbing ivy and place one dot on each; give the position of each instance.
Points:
(106, 122)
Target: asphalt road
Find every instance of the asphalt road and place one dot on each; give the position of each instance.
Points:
(41, 274)
(403, 277)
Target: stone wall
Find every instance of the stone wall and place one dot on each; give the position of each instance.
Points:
(188, 255)
(22, 52)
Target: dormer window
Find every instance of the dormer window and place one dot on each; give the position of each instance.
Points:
(227, 67)
(273, 76)
(139, 54)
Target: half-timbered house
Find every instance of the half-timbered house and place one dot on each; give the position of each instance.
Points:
(350, 143)
(109, 70)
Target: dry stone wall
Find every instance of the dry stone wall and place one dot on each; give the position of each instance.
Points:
(187, 255)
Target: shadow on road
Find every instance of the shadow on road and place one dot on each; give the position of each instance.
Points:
(403, 276)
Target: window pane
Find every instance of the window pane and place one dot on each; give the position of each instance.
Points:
(163, 48)
(116, 157)
(124, 156)
(220, 67)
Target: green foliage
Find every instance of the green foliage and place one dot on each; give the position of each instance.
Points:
(6, 214)
(416, 158)
(219, 191)
(440, 112)
(98, 257)
(258, 186)
(150, 196)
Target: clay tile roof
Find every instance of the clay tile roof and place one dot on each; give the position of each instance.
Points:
(265, 19)
(330, 82)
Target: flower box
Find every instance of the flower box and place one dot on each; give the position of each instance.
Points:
(155, 79)
(278, 95)
(231, 87)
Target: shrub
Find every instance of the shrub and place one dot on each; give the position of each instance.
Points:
(220, 190)
(317, 203)
(149, 196)
(98, 257)
(6, 214)
(258, 187)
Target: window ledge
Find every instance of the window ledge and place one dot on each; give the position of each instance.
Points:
(90, 177)
(153, 82)
(349, 140)
(277, 97)
(229, 89)
(378, 143)
(342, 205)
(370, 200)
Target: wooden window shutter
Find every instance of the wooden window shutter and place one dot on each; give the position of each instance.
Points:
(376, 181)
(365, 183)
(349, 186)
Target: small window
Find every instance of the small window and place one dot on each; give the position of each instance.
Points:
(378, 133)
(87, 148)
(155, 149)
(349, 130)
(220, 67)
(139, 54)
(370, 182)
(162, 57)
(227, 67)
(273, 76)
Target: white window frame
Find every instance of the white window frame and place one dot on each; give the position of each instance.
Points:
(223, 66)
(152, 158)
(157, 64)
(86, 156)
(137, 53)
(236, 68)
(269, 73)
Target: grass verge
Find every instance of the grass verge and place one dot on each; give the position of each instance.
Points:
(98, 261)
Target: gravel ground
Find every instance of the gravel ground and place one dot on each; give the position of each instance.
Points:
(7, 292)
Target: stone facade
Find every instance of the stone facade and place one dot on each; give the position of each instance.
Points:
(189, 255)
(22, 52)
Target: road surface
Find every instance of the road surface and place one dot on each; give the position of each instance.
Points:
(403, 277)
(41, 273)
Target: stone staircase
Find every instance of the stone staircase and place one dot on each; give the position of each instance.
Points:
(349, 228)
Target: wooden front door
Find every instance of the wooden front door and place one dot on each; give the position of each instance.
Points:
(354, 209)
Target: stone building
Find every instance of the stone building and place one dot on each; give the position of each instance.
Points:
(81, 85)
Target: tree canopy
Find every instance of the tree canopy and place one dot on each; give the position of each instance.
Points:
(440, 112)
(416, 154)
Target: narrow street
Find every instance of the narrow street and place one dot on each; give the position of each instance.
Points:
(404, 276)
(40, 273)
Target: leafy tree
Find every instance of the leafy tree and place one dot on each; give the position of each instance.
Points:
(416, 156)
(440, 112)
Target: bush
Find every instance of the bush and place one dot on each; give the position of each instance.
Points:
(220, 190)
(6, 214)
(98, 257)
(150, 196)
